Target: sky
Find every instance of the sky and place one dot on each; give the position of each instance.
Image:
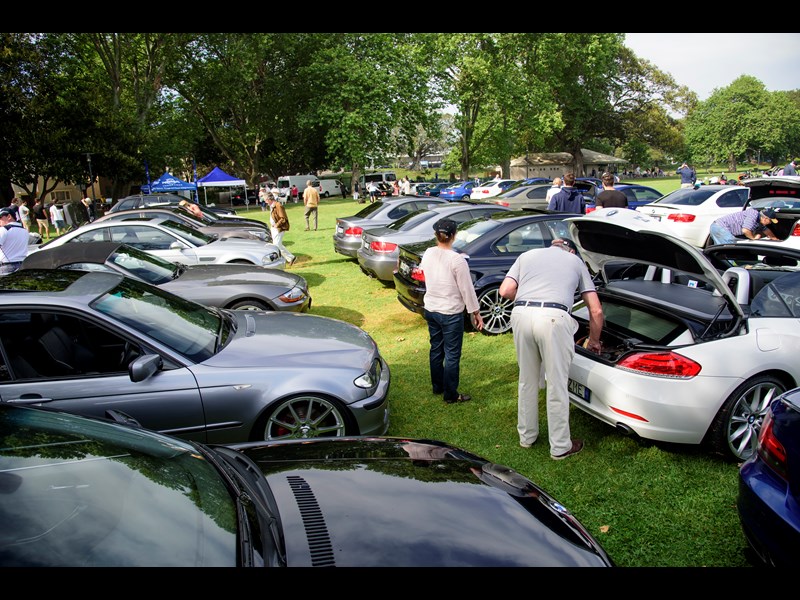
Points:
(705, 61)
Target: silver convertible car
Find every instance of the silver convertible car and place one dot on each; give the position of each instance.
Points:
(245, 287)
(100, 343)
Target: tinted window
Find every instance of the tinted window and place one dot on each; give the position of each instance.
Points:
(687, 197)
(524, 238)
(538, 193)
(736, 198)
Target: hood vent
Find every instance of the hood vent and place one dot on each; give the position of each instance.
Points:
(319, 540)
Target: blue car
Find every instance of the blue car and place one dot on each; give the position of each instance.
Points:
(458, 191)
(637, 195)
(769, 486)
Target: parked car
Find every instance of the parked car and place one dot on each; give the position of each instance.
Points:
(418, 187)
(175, 242)
(769, 486)
(436, 188)
(689, 212)
(220, 228)
(88, 342)
(347, 237)
(140, 200)
(491, 188)
(524, 196)
(245, 287)
(80, 492)
(461, 190)
(241, 199)
(380, 246)
(491, 246)
(782, 194)
(637, 195)
(695, 343)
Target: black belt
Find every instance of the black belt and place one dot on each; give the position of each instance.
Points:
(541, 304)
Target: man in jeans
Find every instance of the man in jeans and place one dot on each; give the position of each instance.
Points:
(748, 223)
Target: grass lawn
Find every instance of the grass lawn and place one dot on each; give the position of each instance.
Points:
(648, 504)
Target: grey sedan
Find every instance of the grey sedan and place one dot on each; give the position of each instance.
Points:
(347, 237)
(245, 287)
(380, 246)
(101, 344)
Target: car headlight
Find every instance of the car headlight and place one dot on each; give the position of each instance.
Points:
(370, 379)
(270, 258)
(293, 295)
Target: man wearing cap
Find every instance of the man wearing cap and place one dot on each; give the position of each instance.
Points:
(748, 223)
(13, 242)
(542, 284)
(448, 291)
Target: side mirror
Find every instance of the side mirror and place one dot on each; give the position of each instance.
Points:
(145, 367)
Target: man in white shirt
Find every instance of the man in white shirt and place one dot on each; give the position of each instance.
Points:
(13, 242)
(57, 218)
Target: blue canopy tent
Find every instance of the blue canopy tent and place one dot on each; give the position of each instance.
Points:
(219, 178)
(170, 183)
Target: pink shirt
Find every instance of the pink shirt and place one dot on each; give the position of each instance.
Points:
(448, 286)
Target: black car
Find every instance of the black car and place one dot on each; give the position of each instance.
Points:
(96, 493)
(144, 200)
(241, 199)
(491, 246)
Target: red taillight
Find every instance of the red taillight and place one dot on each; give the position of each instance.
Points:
(660, 364)
(382, 246)
(484, 191)
(795, 229)
(681, 217)
(770, 450)
(590, 209)
(501, 202)
(354, 231)
(417, 274)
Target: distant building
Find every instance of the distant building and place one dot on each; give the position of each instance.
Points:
(554, 164)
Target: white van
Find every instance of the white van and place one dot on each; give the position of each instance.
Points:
(383, 177)
(330, 187)
(285, 182)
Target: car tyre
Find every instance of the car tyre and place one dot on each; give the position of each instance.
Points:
(249, 305)
(304, 417)
(734, 432)
(465, 197)
(495, 311)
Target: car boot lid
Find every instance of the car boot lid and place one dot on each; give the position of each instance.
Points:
(617, 234)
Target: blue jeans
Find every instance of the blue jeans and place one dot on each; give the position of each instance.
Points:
(720, 235)
(447, 336)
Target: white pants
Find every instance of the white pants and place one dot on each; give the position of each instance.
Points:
(277, 239)
(543, 338)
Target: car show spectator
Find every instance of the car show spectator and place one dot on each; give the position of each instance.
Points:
(13, 242)
(57, 218)
(791, 168)
(279, 225)
(554, 189)
(687, 174)
(311, 202)
(610, 197)
(569, 199)
(748, 223)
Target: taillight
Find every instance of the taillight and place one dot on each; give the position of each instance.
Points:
(770, 450)
(383, 247)
(484, 191)
(590, 209)
(795, 229)
(417, 274)
(660, 364)
(354, 231)
(501, 202)
(681, 217)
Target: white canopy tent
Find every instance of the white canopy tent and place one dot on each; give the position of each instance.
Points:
(219, 178)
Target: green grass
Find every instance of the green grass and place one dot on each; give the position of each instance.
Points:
(649, 505)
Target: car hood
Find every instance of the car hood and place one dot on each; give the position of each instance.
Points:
(618, 234)
(394, 502)
(310, 341)
(233, 274)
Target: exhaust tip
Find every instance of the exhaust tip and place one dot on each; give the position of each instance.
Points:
(624, 429)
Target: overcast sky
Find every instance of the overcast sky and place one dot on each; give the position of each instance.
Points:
(705, 61)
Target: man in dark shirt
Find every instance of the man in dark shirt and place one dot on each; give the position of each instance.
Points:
(791, 168)
(568, 200)
(610, 197)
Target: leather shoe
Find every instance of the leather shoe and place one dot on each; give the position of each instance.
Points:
(459, 398)
(577, 446)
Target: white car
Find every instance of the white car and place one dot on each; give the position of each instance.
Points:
(175, 242)
(696, 344)
(781, 193)
(490, 189)
(689, 212)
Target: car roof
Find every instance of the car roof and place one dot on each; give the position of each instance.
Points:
(52, 258)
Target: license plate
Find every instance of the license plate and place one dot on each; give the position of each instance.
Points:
(339, 230)
(404, 268)
(579, 390)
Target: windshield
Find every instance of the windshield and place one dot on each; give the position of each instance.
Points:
(411, 220)
(90, 493)
(194, 236)
(686, 197)
(190, 329)
(369, 209)
(144, 265)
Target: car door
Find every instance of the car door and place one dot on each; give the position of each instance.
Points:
(79, 364)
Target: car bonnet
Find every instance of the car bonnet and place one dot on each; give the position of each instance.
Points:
(618, 234)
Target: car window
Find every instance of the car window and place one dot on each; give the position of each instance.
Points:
(102, 234)
(401, 211)
(521, 239)
(687, 197)
(643, 195)
(537, 193)
(735, 198)
(780, 298)
(410, 221)
(558, 229)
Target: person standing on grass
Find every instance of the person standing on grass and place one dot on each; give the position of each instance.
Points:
(791, 168)
(24, 213)
(40, 214)
(610, 197)
(542, 285)
(57, 218)
(311, 202)
(448, 291)
(279, 224)
(569, 199)
(688, 175)
(13, 242)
